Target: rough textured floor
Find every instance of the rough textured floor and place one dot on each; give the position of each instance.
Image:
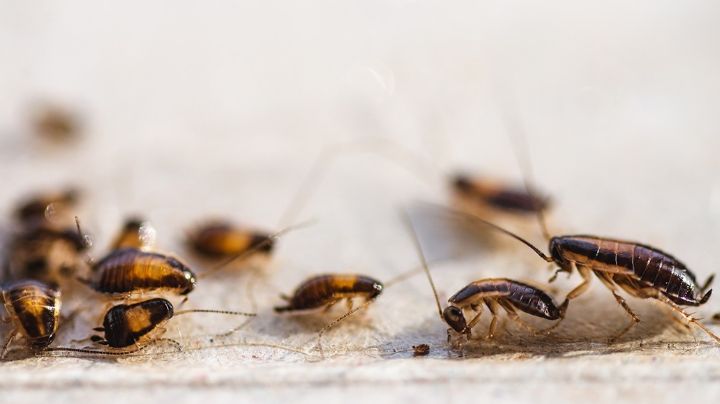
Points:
(193, 110)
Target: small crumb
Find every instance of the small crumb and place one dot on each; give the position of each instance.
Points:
(421, 350)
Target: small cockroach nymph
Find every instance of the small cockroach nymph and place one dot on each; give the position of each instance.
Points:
(132, 325)
(44, 207)
(477, 193)
(219, 239)
(34, 309)
(44, 253)
(496, 293)
(129, 270)
(323, 291)
(135, 233)
(55, 122)
(128, 324)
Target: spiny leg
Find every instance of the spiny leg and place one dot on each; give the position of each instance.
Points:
(579, 289)
(688, 317)
(606, 279)
(8, 341)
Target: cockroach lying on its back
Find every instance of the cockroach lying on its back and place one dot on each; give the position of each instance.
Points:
(129, 324)
(496, 293)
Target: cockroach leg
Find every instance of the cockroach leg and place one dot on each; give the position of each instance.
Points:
(579, 289)
(689, 318)
(8, 341)
(474, 321)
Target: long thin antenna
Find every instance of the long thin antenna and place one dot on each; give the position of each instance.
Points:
(418, 247)
(94, 351)
(228, 312)
(521, 150)
(339, 319)
(269, 239)
(395, 153)
(494, 226)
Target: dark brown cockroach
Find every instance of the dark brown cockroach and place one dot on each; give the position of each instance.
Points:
(496, 293)
(484, 195)
(44, 253)
(34, 309)
(219, 239)
(135, 233)
(640, 270)
(55, 123)
(128, 325)
(40, 207)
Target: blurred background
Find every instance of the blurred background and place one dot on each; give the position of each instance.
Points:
(191, 109)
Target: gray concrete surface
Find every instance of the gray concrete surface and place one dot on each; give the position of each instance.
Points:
(194, 110)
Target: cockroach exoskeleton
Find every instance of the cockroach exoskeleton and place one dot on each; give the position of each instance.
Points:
(135, 233)
(131, 325)
(46, 207)
(219, 239)
(323, 291)
(44, 253)
(34, 309)
(496, 293)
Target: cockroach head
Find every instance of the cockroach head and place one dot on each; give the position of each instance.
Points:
(455, 318)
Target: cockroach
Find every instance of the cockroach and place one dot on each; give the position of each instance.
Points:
(40, 207)
(44, 253)
(56, 123)
(135, 233)
(130, 270)
(324, 291)
(479, 193)
(126, 325)
(640, 270)
(495, 293)
(34, 308)
(219, 239)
